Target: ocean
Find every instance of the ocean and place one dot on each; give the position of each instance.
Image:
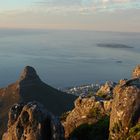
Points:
(65, 58)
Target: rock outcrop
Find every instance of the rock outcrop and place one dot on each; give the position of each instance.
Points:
(32, 121)
(123, 107)
(125, 112)
(136, 72)
(86, 111)
(106, 90)
(28, 88)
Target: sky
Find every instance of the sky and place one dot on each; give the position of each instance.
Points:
(102, 15)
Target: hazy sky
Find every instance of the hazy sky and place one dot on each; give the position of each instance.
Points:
(112, 15)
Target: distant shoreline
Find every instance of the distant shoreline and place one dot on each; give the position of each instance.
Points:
(61, 29)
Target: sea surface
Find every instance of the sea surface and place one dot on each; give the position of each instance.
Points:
(65, 58)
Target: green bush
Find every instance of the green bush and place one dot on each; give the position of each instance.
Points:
(97, 131)
(134, 132)
(90, 94)
(95, 113)
(101, 94)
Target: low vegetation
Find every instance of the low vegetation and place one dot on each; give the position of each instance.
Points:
(134, 133)
(97, 131)
(95, 113)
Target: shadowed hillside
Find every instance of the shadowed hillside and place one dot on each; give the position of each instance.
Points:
(29, 87)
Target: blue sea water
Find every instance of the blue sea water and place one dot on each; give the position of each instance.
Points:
(65, 58)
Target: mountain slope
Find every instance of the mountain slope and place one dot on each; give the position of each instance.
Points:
(29, 87)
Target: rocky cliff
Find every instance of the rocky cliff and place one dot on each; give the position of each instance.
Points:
(125, 114)
(119, 102)
(32, 121)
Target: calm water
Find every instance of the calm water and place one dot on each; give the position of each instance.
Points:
(67, 58)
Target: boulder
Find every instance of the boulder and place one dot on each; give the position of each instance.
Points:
(106, 90)
(125, 112)
(86, 111)
(32, 121)
(136, 72)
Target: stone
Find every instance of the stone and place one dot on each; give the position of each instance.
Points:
(136, 72)
(125, 112)
(32, 121)
(106, 90)
(87, 110)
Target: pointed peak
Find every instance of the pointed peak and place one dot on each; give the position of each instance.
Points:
(29, 73)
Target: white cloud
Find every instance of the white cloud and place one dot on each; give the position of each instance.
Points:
(84, 7)
(89, 5)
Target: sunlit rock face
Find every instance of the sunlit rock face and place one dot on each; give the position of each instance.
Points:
(32, 121)
(106, 90)
(136, 72)
(125, 112)
(86, 111)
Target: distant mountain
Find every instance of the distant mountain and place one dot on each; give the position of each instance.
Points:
(29, 87)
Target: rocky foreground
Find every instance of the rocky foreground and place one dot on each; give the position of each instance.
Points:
(113, 113)
(32, 121)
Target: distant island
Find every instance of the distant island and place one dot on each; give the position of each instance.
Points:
(114, 46)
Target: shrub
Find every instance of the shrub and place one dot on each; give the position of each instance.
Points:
(101, 94)
(134, 132)
(97, 131)
(95, 113)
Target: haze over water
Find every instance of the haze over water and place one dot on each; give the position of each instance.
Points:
(65, 58)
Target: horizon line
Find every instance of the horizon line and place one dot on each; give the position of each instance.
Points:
(64, 29)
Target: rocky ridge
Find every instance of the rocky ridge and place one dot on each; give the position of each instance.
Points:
(122, 107)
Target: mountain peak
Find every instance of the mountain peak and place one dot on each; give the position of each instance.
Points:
(29, 73)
